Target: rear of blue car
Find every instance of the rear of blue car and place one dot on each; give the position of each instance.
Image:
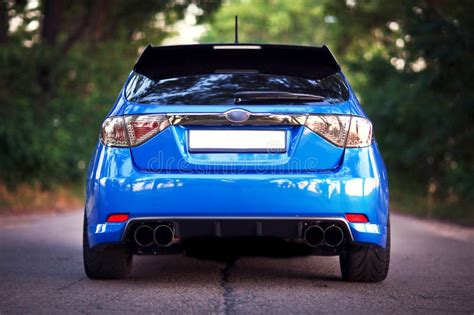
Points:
(230, 142)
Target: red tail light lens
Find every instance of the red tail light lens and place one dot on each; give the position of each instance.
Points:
(129, 131)
(118, 217)
(142, 128)
(356, 218)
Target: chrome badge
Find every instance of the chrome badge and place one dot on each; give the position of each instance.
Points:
(237, 115)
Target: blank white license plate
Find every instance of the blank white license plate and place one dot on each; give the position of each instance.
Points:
(272, 141)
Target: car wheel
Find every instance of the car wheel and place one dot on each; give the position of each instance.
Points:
(366, 263)
(108, 263)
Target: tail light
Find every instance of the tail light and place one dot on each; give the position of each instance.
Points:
(360, 133)
(142, 128)
(129, 131)
(342, 130)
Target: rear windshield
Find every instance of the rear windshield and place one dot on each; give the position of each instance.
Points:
(220, 88)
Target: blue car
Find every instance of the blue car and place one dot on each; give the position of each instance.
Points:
(237, 142)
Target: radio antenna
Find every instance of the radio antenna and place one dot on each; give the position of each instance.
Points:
(236, 29)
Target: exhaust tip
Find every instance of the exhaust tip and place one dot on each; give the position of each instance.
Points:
(333, 235)
(143, 235)
(163, 235)
(314, 235)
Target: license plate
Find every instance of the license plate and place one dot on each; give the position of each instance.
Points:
(264, 141)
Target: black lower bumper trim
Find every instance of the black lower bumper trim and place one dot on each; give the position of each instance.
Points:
(221, 227)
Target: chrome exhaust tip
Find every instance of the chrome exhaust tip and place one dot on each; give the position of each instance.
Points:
(333, 236)
(143, 235)
(314, 235)
(163, 235)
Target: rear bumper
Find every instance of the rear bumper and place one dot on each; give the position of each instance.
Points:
(359, 185)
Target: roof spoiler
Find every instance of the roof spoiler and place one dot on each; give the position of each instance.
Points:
(164, 62)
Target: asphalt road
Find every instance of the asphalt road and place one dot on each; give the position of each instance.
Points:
(432, 271)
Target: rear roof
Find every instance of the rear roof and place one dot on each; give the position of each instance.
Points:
(164, 62)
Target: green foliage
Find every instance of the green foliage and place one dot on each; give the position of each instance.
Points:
(421, 108)
(58, 80)
(299, 21)
(411, 64)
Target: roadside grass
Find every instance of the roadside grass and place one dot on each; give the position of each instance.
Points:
(409, 199)
(33, 199)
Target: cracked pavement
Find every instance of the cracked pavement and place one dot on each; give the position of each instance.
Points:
(432, 270)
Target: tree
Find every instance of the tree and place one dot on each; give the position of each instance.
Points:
(61, 67)
(299, 21)
(410, 63)
(416, 59)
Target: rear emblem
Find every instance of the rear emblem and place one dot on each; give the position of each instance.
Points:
(237, 115)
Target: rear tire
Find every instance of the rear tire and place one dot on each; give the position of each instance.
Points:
(108, 263)
(366, 263)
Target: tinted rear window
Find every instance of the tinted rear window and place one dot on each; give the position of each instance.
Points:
(219, 89)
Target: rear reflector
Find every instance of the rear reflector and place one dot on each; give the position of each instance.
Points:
(120, 217)
(356, 218)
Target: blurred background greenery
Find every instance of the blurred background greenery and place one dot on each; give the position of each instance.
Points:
(62, 64)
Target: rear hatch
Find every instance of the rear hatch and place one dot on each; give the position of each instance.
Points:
(236, 110)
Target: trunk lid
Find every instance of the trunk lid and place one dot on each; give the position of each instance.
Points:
(295, 149)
